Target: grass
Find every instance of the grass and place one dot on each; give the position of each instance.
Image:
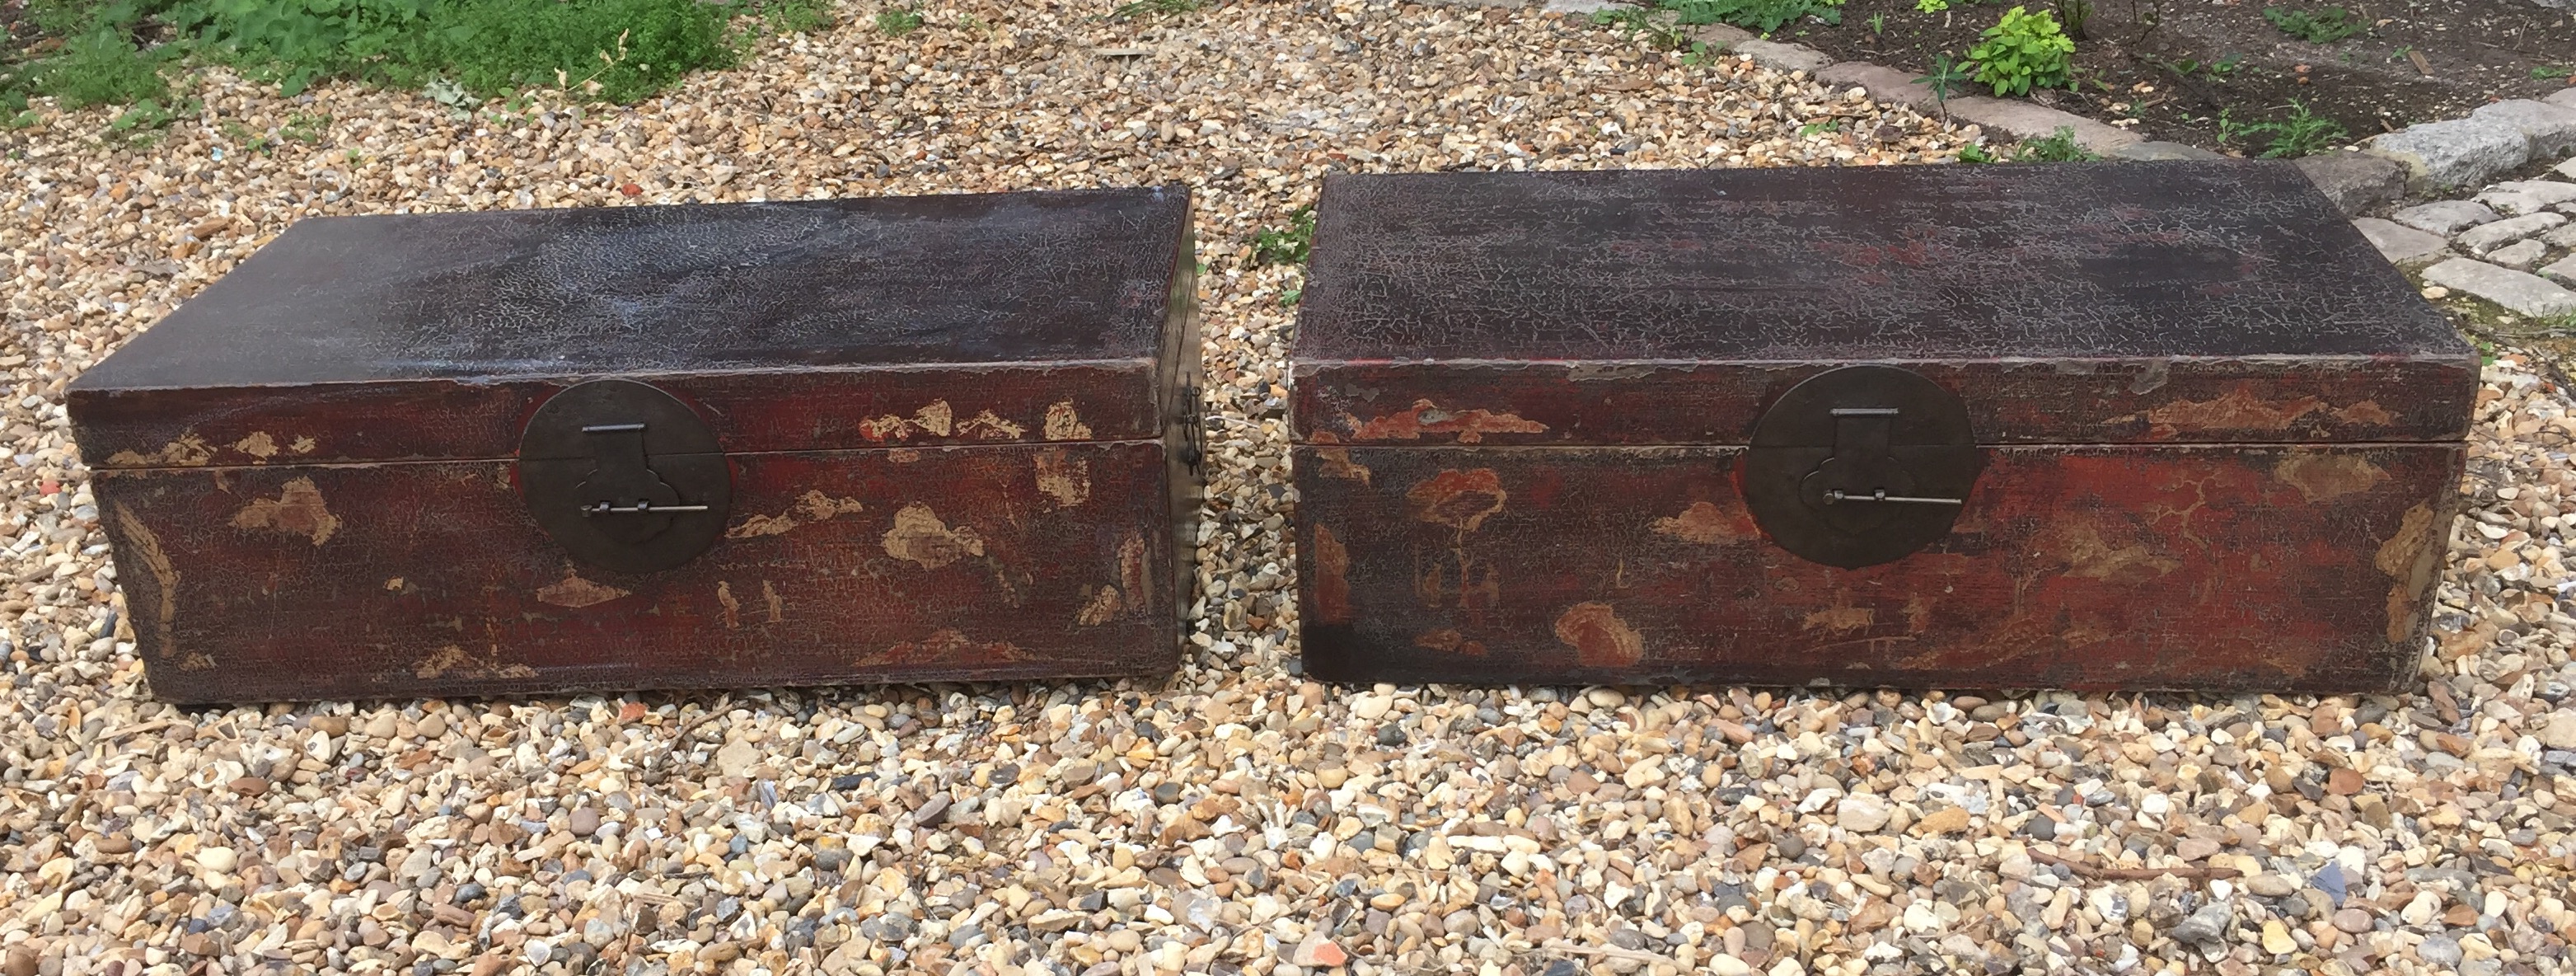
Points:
(2321, 27)
(2549, 71)
(612, 50)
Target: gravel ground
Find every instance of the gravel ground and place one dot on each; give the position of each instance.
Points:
(1236, 817)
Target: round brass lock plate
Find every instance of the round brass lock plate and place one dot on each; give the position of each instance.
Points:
(624, 476)
(1860, 465)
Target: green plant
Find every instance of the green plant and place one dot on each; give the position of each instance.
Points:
(146, 115)
(100, 67)
(1945, 80)
(2549, 71)
(2304, 133)
(2022, 50)
(2056, 147)
(1287, 245)
(1812, 128)
(1764, 16)
(1878, 23)
(305, 127)
(1138, 7)
(2322, 27)
(1660, 28)
(1974, 153)
(1931, 6)
(898, 21)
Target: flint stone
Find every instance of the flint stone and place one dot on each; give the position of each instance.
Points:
(2445, 217)
(2455, 152)
(2354, 181)
(2205, 926)
(2551, 128)
(2518, 292)
(1785, 57)
(2488, 237)
(2403, 246)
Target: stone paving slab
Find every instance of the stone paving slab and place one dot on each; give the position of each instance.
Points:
(2403, 246)
(2454, 153)
(2356, 182)
(2551, 128)
(2488, 237)
(2446, 216)
(2023, 120)
(2517, 291)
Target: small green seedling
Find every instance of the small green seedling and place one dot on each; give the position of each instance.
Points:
(898, 21)
(2321, 27)
(1288, 245)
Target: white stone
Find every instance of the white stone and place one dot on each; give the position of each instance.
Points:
(1861, 813)
(2403, 246)
(737, 757)
(2445, 217)
(2516, 204)
(1371, 706)
(2562, 237)
(2520, 255)
(217, 858)
(2518, 292)
(2455, 152)
(2560, 732)
(2551, 128)
(1726, 965)
(2488, 237)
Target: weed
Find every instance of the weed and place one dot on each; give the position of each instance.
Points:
(2322, 27)
(898, 21)
(1945, 80)
(1764, 16)
(1660, 29)
(2057, 147)
(147, 115)
(1878, 24)
(2022, 50)
(2304, 133)
(2548, 71)
(1931, 6)
(1136, 8)
(2225, 66)
(305, 127)
(101, 67)
(1812, 128)
(1286, 245)
(1289, 298)
(1974, 153)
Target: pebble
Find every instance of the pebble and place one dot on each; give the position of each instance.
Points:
(1234, 816)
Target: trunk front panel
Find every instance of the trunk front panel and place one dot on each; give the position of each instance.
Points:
(988, 563)
(2087, 567)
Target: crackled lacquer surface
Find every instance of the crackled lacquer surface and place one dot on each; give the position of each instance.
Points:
(2221, 433)
(1021, 561)
(955, 427)
(2285, 568)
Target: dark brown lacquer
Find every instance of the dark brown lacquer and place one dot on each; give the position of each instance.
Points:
(900, 439)
(2091, 426)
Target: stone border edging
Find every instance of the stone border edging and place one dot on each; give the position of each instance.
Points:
(2496, 138)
